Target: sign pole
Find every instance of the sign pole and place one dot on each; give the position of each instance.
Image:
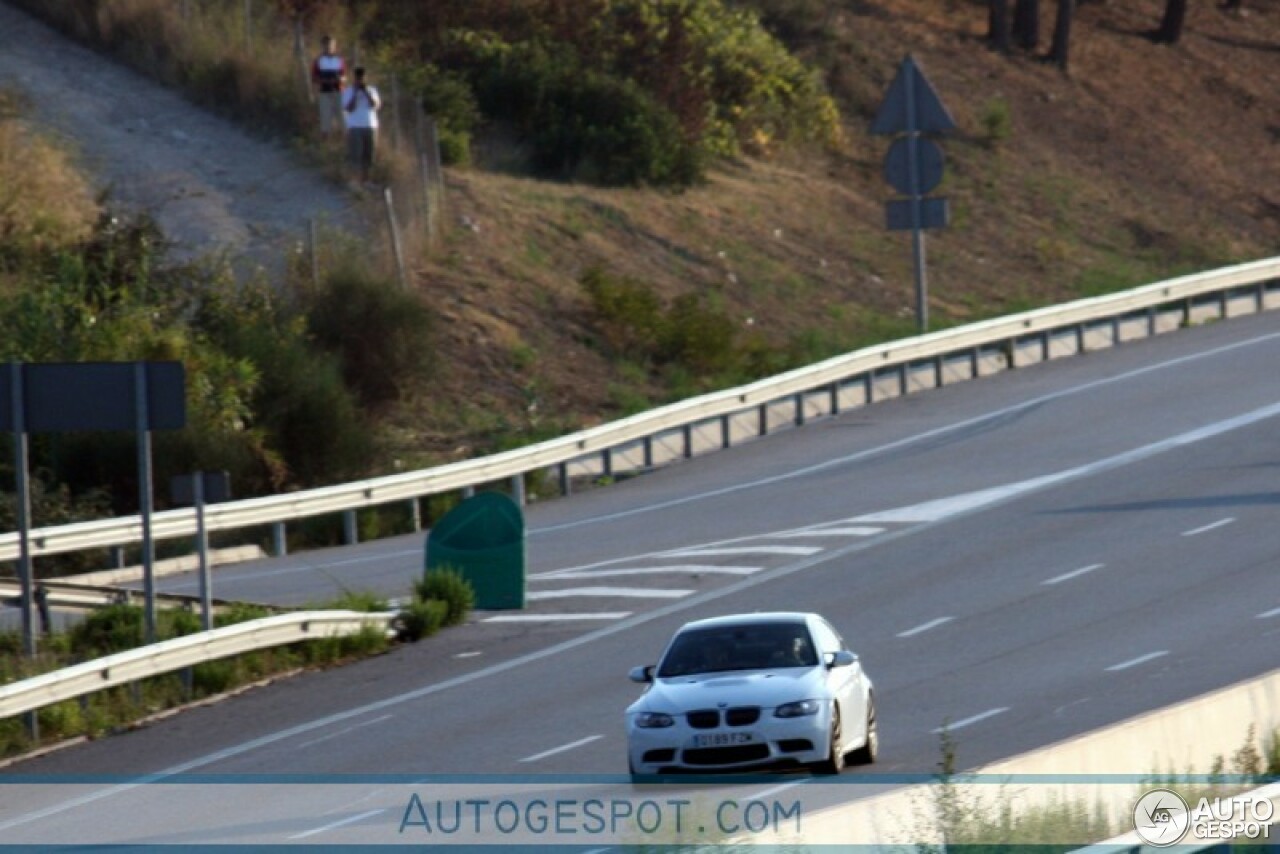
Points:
(917, 224)
(202, 546)
(23, 497)
(144, 496)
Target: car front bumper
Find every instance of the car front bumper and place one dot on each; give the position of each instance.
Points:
(769, 741)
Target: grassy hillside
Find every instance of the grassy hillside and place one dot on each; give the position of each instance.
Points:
(557, 303)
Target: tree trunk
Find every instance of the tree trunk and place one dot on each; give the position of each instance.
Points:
(1175, 14)
(998, 25)
(1062, 34)
(1026, 23)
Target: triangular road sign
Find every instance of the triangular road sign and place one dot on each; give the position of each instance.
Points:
(895, 115)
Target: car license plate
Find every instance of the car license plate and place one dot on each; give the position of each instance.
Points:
(722, 739)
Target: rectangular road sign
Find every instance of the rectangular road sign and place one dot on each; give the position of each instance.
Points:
(934, 213)
(67, 396)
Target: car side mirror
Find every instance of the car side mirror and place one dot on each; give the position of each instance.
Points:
(643, 675)
(843, 658)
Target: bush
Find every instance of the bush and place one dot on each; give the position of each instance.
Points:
(629, 311)
(448, 586)
(114, 628)
(422, 618)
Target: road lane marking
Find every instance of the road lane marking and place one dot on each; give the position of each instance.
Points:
(687, 569)
(471, 654)
(860, 531)
(343, 823)
(1267, 615)
(801, 551)
(562, 748)
(625, 592)
(924, 627)
(1142, 659)
(1211, 526)
(345, 731)
(554, 618)
(759, 796)
(994, 416)
(1075, 573)
(960, 724)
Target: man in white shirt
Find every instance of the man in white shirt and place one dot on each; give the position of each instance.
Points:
(360, 105)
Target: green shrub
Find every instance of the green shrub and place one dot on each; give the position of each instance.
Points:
(114, 628)
(447, 585)
(422, 618)
(698, 337)
(630, 312)
(358, 600)
(996, 121)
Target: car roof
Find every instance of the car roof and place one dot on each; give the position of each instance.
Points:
(750, 619)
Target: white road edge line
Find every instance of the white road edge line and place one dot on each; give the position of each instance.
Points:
(759, 796)
(1075, 573)
(562, 748)
(1142, 659)
(924, 627)
(687, 569)
(624, 592)
(989, 713)
(1211, 526)
(1267, 615)
(335, 825)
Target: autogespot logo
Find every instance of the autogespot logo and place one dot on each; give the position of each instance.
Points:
(1161, 818)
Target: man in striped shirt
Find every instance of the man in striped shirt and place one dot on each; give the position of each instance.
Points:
(328, 76)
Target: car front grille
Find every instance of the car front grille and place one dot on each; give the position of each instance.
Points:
(726, 755)
(742, 716)
(704, 719)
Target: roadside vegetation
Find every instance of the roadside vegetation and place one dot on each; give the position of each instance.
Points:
(440, 600)
(966, 816)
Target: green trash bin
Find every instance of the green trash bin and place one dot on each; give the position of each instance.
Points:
(483, 539)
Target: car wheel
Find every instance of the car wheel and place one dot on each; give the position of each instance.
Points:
(869, 752)
(834, 763)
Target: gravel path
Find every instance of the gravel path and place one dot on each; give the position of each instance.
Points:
(210, 185)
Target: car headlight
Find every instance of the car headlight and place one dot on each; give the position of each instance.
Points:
(654, 720)
(798, 709)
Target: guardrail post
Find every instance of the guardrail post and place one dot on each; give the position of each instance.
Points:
(279, 542)
(117, 557)
(1115, 331)
(1046, 344)
(904, 379)
(565, 484)
(975, 363)
(834, 391)
(1152, 314)
(350, 534)
(763, 412)
(415, 515)
(1224, 300)
(606, 462)
(1011, 352)
(1187, 306)
(687, 430)
(726, 434)
(1079, 338)
(937, 372)
(517, 489)
(1260, 297)
(799, 401)
(868, 388)
(648, 452)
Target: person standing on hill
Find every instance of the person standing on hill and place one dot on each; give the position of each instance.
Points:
(328, 77)
(360, 104)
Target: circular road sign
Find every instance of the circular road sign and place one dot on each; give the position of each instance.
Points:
(897, 165)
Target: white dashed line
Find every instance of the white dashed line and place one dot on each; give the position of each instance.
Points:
(471, 654)
(1267, 615)
(1075, 573)
(335, 825)
(924, 627)
(989, 713)
(555, 618)
(746, 550)
(1209, 527)
(626, 592)
(831, 532)
(759, 796)
(687, 569)
(1142, 659)
(562, 748)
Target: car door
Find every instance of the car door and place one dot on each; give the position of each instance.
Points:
(846, 683)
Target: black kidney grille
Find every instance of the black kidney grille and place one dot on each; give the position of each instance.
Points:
(742, 716)
(704, 719)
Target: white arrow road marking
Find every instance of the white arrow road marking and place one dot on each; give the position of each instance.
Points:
(562, 748)
(1142, 659)
(630, 592)
(687, 569)
(860, 531)
(745, 550)
(989, 713)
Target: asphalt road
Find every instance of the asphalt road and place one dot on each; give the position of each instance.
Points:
(1021, 558)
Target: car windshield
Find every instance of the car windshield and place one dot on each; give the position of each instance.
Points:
(739, 647)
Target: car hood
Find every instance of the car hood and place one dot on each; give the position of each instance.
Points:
(766, 688)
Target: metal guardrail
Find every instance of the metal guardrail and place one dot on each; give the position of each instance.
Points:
(1004, 335)
(167, 656)
(71, 595)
